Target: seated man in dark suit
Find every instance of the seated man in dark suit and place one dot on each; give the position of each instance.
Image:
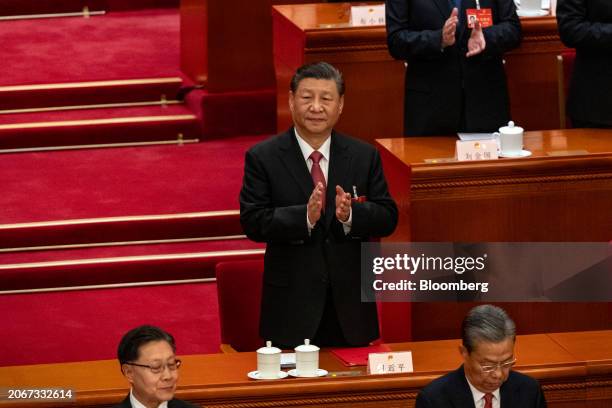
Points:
(148, 361)
(485, 379)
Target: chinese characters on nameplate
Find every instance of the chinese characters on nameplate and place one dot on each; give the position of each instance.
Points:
(470, 150)
(368, 15)
(390, 363)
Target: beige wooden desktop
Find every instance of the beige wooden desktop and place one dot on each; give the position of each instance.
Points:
(575, 370)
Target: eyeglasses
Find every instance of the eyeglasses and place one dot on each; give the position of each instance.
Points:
(156, 369)
(489, 368)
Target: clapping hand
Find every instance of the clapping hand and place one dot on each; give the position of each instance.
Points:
(476, 43)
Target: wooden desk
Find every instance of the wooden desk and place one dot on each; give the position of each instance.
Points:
(564, 198)
(564, 364)
(375, 82)
(542, 198)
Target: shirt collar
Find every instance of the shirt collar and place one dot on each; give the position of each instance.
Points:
(478, 395)
(307, 149)
(137, 404)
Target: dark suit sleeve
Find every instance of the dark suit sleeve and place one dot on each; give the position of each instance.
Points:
(261, 221)
(577, 31)
(505, 34)
(422, 401)
(541, 402)
(403, 41)
(377, 217)
(175, 403)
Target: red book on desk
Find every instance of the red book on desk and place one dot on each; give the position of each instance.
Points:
(356, 356)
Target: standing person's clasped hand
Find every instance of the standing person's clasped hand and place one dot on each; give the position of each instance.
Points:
(476, 43)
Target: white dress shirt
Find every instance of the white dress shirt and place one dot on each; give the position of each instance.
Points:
(137, 404)
(478, 396)
(324, 164)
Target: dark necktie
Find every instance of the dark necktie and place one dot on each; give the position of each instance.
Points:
(488, 400)
(317, 173)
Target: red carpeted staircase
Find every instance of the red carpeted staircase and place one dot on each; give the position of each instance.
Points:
(114, 265)
(37, 7)
(104, 80)
(83, 325)
(79, 213)
(113, 202)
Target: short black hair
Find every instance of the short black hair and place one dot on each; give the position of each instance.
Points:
(486, 323)
(318, 70)
(129, 346)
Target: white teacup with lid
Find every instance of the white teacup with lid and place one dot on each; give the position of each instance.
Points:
(511, 139)
(268, 361)
(307, 359)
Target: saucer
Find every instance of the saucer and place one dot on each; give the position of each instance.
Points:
(523, 153)
(532, 13)
(320, 373)
(256, 376)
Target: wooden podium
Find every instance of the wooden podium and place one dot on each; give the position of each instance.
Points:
(562, 193)
(375, 82)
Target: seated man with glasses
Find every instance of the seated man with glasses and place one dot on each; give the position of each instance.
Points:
(486, 379)
(148, 361)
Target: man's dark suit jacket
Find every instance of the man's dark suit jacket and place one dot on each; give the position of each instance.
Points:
(453, 391)
(445, 91)
(173, 403)
(298, 267)
(587, 26)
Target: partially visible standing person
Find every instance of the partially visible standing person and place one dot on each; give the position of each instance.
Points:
(455, 79)
(587, 26)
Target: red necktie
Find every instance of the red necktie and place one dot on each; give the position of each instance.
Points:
(488, 400)
(317, 174)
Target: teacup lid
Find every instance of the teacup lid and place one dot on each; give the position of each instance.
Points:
(268, 349)
(510, 129)
(307, 347)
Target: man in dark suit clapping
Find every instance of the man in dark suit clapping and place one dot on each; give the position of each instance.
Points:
(296, 197)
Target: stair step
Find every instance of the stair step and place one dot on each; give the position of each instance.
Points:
(88, 93)
(115, 46)
(117, 265)
(119, 195)
(148, 228)
(25, 7)
(97, 127)
(140, 4)
(29, 7)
